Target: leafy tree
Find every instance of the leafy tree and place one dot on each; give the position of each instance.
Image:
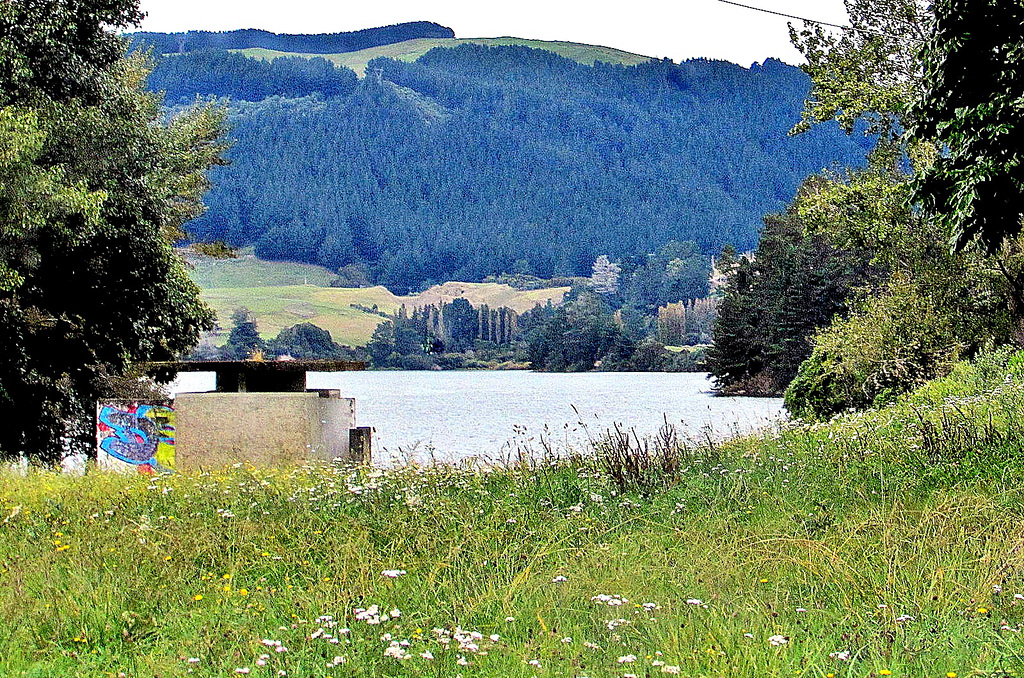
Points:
(244, 340)
(868, 73)
(305, 340)
(972, 104)
(896, 342)
(934, 303)
(95, 181)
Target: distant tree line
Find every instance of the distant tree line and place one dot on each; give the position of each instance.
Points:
(584, 333)
(480, 161)
(325, 43)
(420, 339)
(303, 340)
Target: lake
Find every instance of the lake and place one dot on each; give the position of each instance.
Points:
(453, 415)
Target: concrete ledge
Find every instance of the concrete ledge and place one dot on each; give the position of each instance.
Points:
(263, 429)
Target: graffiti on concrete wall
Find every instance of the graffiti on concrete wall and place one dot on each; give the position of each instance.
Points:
(131, 434)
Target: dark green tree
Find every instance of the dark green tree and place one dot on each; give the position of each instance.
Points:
(244, 341)
(972, 105)
(460, 320)
(796, 283)
(305, 340)
(95, 181)
(381, 346)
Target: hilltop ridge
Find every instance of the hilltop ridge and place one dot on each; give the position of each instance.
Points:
(301, 43)
(411, 50)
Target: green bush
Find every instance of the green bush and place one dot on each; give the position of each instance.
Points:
(893, 344)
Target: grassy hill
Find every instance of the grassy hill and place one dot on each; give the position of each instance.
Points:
(248, 271)
(281, 294)
(410, 50)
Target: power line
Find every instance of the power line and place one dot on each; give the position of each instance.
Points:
(793, 16)
(822, 23)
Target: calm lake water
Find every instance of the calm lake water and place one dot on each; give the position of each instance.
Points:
(450, 416)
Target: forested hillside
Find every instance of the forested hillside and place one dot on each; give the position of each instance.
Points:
(480, 160)
(327, 43)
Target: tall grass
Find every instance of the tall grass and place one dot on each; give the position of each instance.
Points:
(886, 543)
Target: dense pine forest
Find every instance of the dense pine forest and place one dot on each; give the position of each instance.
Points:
(478, 161)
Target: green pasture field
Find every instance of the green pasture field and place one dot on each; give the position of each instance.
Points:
(282, 294)
(410, 50)
(881, 544)
(248, 271)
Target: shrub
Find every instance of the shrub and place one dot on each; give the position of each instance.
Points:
(893, 344)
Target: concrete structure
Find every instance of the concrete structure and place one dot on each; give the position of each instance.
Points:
(261, 414)
(241, 376)
(263, 429)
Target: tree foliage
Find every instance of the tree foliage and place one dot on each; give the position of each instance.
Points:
(95, 182)
(867, 73)
(895, 342)
(579, 335)
(796, 282)
(972, 105)
(933, 303)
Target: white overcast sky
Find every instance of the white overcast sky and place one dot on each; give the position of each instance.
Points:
(678, 29)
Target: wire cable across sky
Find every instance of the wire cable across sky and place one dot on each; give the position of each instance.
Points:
(783, 14)
(814, 21)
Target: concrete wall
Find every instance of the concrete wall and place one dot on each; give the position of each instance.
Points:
(263, 429)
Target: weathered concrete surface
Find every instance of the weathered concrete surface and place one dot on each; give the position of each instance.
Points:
(263, 429)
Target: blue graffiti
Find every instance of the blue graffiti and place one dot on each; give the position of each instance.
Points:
(136, 436)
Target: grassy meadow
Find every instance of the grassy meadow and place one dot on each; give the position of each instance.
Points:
(878, 544)
(410, 50)
(282, 294)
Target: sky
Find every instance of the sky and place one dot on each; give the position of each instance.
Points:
(678, 29)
